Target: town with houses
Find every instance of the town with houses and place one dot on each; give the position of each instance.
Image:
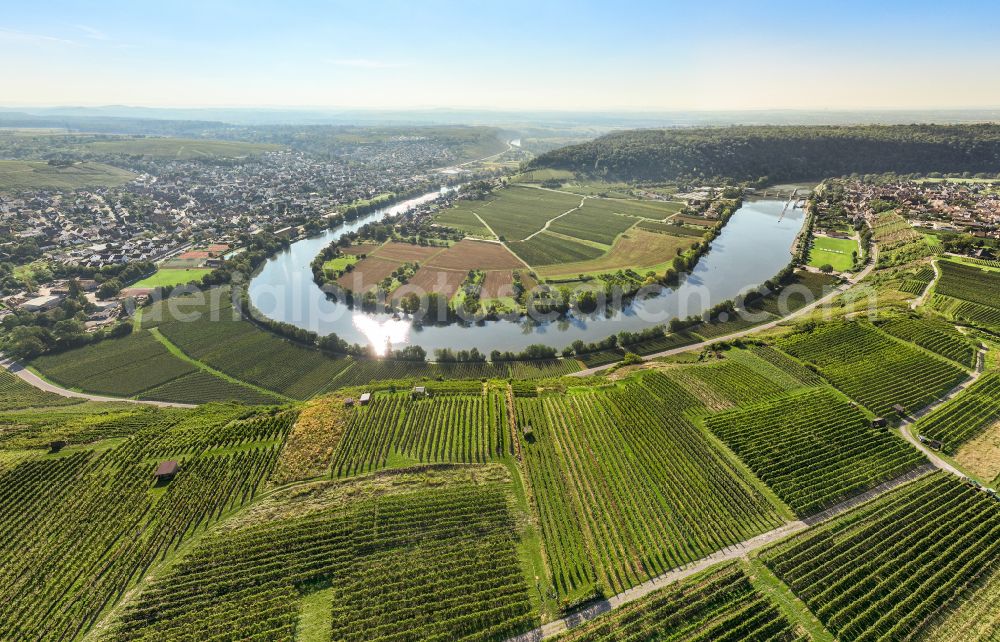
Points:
(950, 206)
(189, 214)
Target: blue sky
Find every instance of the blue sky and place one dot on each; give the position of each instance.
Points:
(511, 54)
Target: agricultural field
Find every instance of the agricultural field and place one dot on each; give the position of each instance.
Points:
(394, 429)
(872, 368)
(596, 221)
(968, 293)
(165, 277)
(635, 248)
(838, 253)
(719, 604)
(497, 284)
(938, 337)
(515, 213)
(695, 220)
(549, 249)
(468, 254)
(672, 227)
(641, 507)
(428, 279)
(404, 557)
(368, 273)
(178, 148)
(887, 568)
(404, 252)
(77, 530)
(462, 217)
(33, 175)
(814, 449)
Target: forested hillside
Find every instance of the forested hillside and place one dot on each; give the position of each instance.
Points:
(781, 153)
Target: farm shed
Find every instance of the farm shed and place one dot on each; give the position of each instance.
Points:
(166, 471)
(418, 392)
(528, 433)
(349, 402)
(899, 409)
(879, 422)
(365, 398)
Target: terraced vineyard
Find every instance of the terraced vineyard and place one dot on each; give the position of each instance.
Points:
(77, 530)
(968, 292)
(625, 485)
(938, 337)
(416, 561)
(872, 368)
(720, 604)
(883, 570)
(917, 281)
(898, 242)
(814, 449)
(966, 416)
(470, 428)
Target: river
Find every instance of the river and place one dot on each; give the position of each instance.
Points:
(753, 246)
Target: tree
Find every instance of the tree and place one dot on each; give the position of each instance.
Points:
(109, 288)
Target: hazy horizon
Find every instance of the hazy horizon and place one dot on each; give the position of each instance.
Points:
(519, 56)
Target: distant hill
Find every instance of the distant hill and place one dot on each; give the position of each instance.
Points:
(781, 153)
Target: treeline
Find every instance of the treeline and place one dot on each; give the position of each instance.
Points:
(786, 153)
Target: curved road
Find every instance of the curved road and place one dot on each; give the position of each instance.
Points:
(31, 378)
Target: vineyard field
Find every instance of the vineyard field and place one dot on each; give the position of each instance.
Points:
(882, 571)
(976, 619)
(202, 387)
(968, 292)
(740, 378)
(941, 338)
(719, 604)
(447, 428)
(77, 530)
(917, 281)
(814, 449)
(412, 561)
(966, 416)
(639, 508)
(122, 367)
(870, 367)
(16, 394)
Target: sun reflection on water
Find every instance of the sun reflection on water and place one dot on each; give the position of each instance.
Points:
(382, 335)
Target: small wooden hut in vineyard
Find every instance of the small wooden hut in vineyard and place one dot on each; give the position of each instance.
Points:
(165, 471)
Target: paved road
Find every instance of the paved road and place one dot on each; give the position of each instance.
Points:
(840, 289)
(737, 551)
(30, 377)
